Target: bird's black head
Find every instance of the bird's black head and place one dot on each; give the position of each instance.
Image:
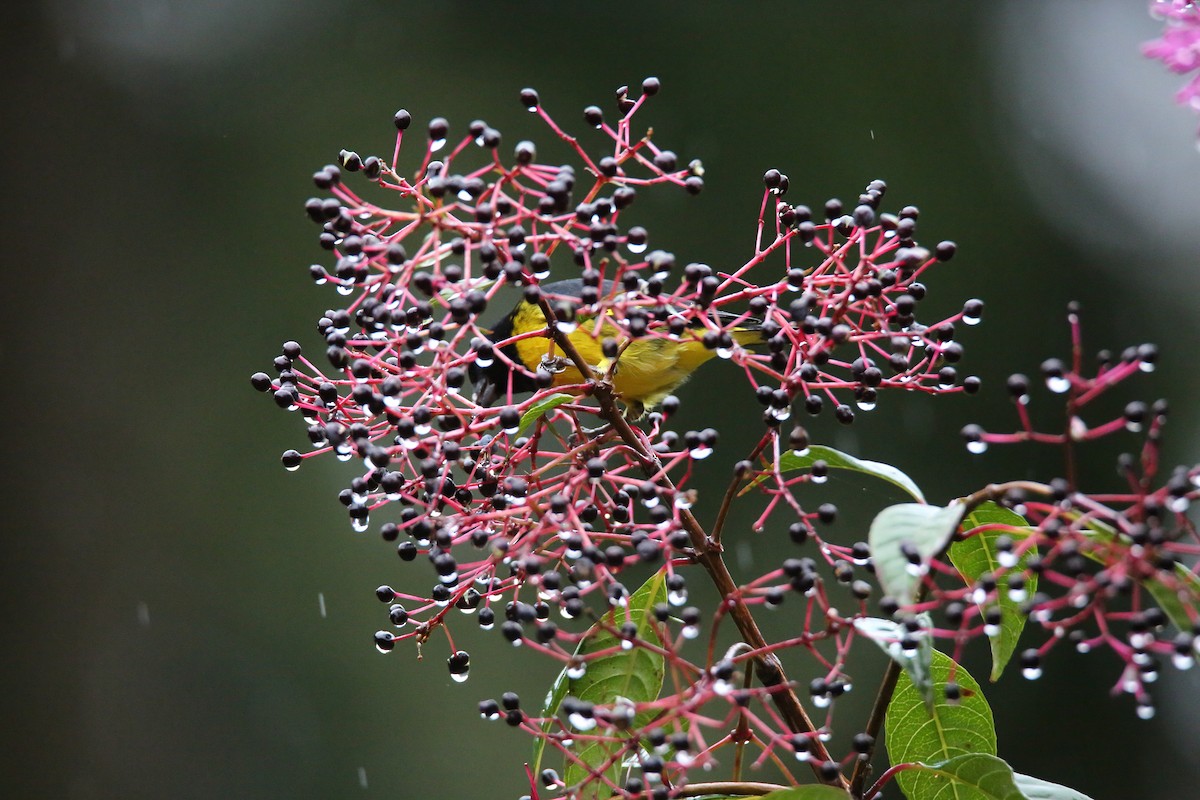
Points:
(492, 381)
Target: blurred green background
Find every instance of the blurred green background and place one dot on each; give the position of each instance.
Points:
(165, 576)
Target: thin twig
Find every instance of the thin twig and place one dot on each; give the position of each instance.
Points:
(862, 769)
(730, 494)
(996, 491)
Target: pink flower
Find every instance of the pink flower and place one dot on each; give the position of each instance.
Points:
(1179, 46)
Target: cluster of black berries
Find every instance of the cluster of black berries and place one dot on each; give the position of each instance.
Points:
(529, 523)
(1103, 570)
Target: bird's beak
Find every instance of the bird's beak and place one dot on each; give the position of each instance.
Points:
(485, 391)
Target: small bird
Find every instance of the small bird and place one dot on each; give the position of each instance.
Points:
(646, 369)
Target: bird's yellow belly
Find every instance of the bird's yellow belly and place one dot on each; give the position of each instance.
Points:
(647, 370)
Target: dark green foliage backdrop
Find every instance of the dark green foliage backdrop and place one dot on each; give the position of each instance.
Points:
(164, 575)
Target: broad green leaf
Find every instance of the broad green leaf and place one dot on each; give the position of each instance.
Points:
(979, 776)
(977, 555)
(889, 635)
(975, 776)
(542, 407)
(1169, 598)
(635, 675)
(915, 734)
(928, 529)
(1037, 789)
(790, 461)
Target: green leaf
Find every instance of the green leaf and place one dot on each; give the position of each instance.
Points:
(916, 734)
(977, 555)
(928, 529)
(542, 407)
(550, 706)
(1174, 601)
(976, 776)
(790, 461)
(979, 776)
(1037, 789)
(889, 635)
(635, 675)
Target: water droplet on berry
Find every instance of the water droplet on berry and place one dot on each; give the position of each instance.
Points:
(977, 448)
(581, 723)
(1058, 384)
